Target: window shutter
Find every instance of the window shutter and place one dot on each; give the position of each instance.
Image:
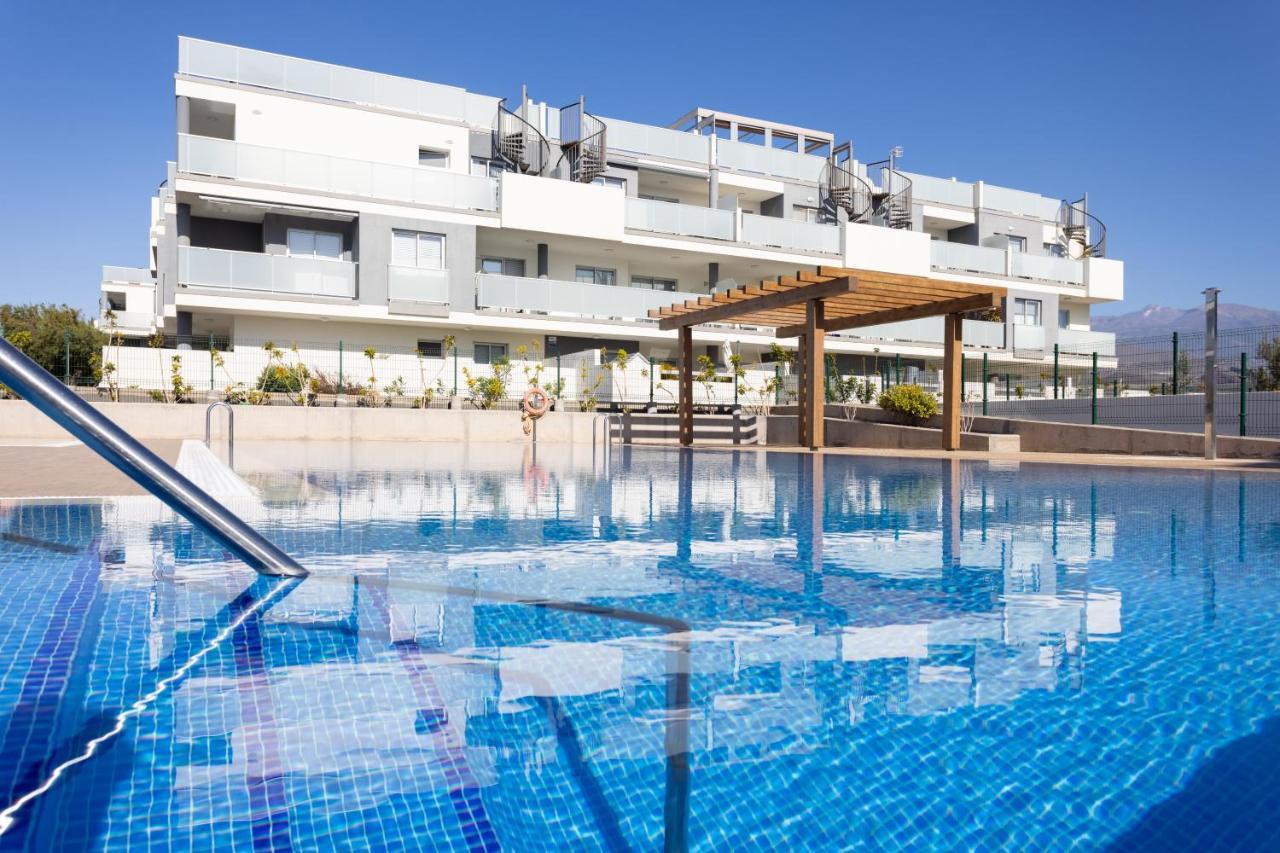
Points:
(431, 251)
(404, 248)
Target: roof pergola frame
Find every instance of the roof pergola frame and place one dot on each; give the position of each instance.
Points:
(808, 305)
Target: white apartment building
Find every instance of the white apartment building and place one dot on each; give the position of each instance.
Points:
(318, 205)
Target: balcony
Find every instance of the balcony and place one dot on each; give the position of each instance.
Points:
(925, 188)
(222, 158)
(1086, 342)
(746, 157)
(984, 260)
(278, 73)
(571, 298)
(686, 220)
(253, 271)
(1020, 203)
(791, 234)
(1047, 268)
(961, 257)
(647, 140)
(978, 334)
(127, 321)
(128, 275)
(410, 284)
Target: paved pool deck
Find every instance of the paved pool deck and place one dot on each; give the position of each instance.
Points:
(44, 468)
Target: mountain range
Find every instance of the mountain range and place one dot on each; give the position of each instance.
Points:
(1159, 319)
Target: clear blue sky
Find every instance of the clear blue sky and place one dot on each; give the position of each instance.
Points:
(1167, 113)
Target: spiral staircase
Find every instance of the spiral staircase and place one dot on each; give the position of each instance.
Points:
(518, 144)
(1082, 234)
(891, 198)
(583, 152)
(841, 188)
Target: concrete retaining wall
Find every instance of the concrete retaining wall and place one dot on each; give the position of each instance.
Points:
(1051, 437)
(19, 419)
(782, 430)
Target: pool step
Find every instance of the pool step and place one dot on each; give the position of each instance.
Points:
(202, 466)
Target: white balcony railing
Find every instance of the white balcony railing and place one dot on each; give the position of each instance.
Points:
(333, 82)
(127, 275)
(684, 219)
(1019, 202)
(254, 271)
(790, 234)
(572, 298)
(410, 284)
(1027, 338)
(203, 155)
(746, 157)
(978, 334)
(927, 188)
(1086, 342)
(1048, 268)
(128, 321)
(657, 141)
(962, 257)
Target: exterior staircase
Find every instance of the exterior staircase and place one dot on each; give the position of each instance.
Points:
(518, 144)
(891, 198)
(840, 187)
(582, 143)
(1082, 235)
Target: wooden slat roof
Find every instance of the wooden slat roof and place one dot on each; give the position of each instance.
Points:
(851, 298)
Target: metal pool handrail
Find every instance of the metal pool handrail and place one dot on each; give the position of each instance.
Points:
(607, 419)
(231, 430)
(35, 385)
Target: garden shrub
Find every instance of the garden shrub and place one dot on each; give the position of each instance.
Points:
(911, 402)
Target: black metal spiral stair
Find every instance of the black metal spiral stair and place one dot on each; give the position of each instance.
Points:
(841, 188)
(518, 144)
(582, 143)
(1083, 234)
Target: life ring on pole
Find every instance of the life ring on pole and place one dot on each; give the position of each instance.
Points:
(536, 402)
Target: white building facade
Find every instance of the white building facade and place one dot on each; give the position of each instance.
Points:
(422, 233)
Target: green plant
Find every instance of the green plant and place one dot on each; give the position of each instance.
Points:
(1018, 391)
(706, 377)
(910, 402)
(588, 392)
(45, 333)
(181, 390)
(486, 391)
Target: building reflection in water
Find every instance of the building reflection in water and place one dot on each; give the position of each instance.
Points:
(537, 617)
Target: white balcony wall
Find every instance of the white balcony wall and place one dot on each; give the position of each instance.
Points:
(745, 157)
(128, 275)
(965, 258)
(1019, 202)
(264, 70)
(940, 190)
(531, 203)
(1047, 268)
(201, 155)
(548, 296)
(220, 268)
(410, 284)
(790, 234)
(653, 141)
(684, 219)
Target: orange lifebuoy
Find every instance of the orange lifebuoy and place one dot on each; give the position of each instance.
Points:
(536, 402)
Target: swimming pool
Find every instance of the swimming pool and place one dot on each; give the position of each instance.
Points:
(729, 650)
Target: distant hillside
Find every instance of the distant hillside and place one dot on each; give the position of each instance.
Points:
(1159, 319)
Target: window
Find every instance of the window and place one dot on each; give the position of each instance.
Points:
(304, 243)
(1064, 318)
(417, 249)
(483, 167)
(1017, 244)
(805, 214)
(1026, 312)
(431, 349)
(489, 353)
(115, 301)
(595, 275)
(433, 157)
(503, 266)
(610, 181)
(646, 282)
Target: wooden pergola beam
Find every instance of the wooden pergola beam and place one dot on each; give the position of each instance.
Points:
(731, 309)
(952, 381)
(961, 305)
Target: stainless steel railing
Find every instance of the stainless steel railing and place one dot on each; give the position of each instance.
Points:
(35, 385)
(231, 430)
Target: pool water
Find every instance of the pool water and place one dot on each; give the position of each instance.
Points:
(497, 650)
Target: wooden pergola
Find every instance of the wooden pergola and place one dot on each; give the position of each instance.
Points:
(808, 305)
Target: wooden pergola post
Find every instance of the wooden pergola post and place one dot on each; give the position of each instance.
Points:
(813, 408)
(952, 382)
(685, 409)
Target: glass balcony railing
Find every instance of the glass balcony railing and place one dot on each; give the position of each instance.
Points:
(746, 157)
(1086, 342)
(688, 220)
(203, 155)
(1019, 202)
(925, 188)
(1048, 268)
(410, 284)
(962, 257)
(795, 234)
(128, 321)
(264, 70)
(978, 334)
(662, 142)
(254, 271)
(127, 275)
(573, 298)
